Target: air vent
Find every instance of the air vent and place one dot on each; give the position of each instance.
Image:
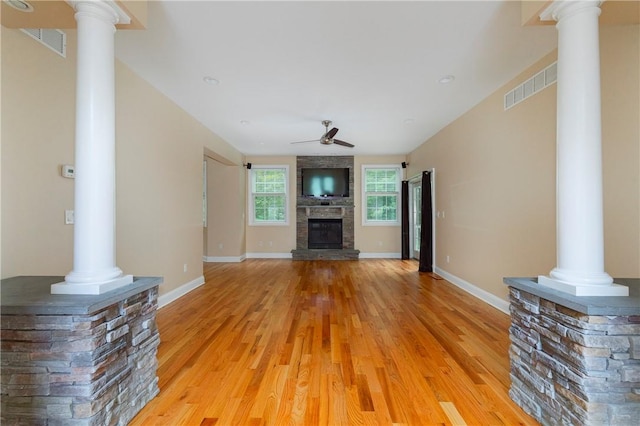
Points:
(55, 40)
(543, 79)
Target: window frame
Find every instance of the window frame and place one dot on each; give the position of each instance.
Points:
(251, 202)
(364, 194)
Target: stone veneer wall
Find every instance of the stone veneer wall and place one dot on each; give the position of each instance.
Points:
(335, 208)
(97, 369)
(572, 368)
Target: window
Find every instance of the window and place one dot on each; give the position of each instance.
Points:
(381, 195)
(269, 195)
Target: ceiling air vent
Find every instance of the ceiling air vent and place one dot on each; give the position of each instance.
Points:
(55, 40)
(533, 85)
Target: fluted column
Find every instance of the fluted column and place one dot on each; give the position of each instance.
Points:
(579, 214)
(94, 270)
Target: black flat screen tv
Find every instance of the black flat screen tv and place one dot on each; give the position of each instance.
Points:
(325, 182)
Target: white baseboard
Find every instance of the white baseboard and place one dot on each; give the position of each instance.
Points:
(380, 255)
(223, 259)
(177, 293)
(269, 255)
(476, 291)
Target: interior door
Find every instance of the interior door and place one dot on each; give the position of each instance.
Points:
(415, 217)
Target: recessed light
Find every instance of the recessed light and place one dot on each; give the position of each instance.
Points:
(211, 80)
(447, 79)
(245, 122)
(408, 121)
(20, 5)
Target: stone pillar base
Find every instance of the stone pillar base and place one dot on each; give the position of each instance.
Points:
(572, 361)
(77, 360)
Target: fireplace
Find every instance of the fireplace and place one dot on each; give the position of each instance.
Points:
(324, 225)
(325, 233)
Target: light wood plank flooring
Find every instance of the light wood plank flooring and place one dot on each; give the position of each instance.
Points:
(368, 342)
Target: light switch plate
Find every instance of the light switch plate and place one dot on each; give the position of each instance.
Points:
(69, 217)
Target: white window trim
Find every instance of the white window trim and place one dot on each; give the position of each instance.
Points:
(363, 195)
(250, 206)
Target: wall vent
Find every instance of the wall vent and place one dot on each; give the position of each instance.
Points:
(541, 80)
(55, 40)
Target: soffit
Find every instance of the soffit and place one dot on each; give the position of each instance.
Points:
(60, 15)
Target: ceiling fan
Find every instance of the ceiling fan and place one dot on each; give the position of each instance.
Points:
(327, 138)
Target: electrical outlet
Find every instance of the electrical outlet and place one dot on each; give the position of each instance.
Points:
(69, 217)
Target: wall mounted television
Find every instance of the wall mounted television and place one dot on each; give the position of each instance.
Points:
(325, 182)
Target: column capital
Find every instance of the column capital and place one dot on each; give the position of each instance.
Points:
(103, 9)
(559, 9)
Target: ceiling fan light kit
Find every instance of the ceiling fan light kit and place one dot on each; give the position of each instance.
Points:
(327, 138)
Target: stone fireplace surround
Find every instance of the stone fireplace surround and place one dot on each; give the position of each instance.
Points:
(325, 208)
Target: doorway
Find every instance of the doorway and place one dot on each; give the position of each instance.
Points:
(415, 218)
(416, 193)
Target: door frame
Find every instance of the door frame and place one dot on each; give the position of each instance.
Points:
(413, 181)
(413, 184)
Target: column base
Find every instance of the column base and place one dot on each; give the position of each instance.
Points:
(612, 289)
(91, 288)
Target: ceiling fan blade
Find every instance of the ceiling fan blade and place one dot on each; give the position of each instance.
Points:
(343, 143)
(314, 140)
(330, 134)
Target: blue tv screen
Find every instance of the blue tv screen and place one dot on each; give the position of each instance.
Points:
(330, 182)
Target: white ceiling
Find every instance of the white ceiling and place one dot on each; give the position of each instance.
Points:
(371, 67)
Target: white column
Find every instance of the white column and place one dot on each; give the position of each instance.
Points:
(580, 241)
(94, 269)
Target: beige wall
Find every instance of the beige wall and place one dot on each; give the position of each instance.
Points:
(225, 232)
(495, 177)
(620, 74)
(0, 160)
(273, 239)
(37, 137)
(159, 169)
(282, 239)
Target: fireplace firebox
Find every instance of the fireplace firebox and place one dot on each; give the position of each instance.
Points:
(325, 233)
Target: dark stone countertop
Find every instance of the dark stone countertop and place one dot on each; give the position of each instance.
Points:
(590, 305)
(31, 295)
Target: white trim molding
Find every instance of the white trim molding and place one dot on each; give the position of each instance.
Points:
(364, 193)
(223, 259)
(380, 255)
(474, 290)
(252, 194)
(269, 255)
(175, 294)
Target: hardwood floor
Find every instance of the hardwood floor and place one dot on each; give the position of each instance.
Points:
(368, 342)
